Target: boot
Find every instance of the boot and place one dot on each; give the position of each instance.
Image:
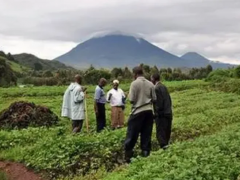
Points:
(145, 153)
(128, 156)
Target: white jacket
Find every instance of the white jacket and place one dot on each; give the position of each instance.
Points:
(73, 102)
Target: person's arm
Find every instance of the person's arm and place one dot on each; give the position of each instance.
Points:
(167, 102)
(78, 96)
(97, 96)
(123, 97)
(132, 94)
(109, 96)
(155, 102)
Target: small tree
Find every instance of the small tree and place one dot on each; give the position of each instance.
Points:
(237, 72)
(37, 67)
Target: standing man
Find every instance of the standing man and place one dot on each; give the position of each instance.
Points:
(141, 96)
(99, 105)
(73, 104)
(116, 97)
(163, 112)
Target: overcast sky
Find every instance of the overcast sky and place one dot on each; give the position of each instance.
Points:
(49, 28)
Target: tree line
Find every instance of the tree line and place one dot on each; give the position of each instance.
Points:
(92, 75)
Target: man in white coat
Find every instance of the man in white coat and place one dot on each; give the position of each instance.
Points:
(73, 104)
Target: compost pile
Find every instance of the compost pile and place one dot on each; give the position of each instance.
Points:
(24, 114)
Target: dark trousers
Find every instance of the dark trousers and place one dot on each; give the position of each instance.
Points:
(77, 125)
(141, 123)
(163, 128)
(101, 117)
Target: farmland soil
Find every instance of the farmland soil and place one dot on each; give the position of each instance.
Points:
(17, 171)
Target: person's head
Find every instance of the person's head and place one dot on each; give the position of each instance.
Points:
(78, 79)
(102, 82)
(115, 84)
(137, 71)
(155, 78)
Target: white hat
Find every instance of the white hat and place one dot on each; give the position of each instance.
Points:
(115, 81)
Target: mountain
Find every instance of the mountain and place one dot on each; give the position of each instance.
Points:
(118, 51)
(196, 60)
(36, 63)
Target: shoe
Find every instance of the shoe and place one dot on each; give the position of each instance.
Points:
(164, 147)
(145, 153)
(128, 156)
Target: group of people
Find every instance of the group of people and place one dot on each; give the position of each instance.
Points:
(150, 102)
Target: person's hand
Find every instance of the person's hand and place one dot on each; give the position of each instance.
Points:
(110, 95)
(84, 89)
(96, 112)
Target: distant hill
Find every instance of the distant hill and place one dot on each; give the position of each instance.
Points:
(196, 60)
(36, 63)
(118, 51)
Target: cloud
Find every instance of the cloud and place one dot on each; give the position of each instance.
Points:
(209, 27)
(44, 49)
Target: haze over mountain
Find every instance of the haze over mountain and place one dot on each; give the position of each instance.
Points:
(117, 50)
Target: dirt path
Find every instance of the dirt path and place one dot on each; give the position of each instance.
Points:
(17, 171)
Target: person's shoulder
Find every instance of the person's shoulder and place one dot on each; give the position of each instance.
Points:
(133, 83)
(162, 86)
(149, 83)
(97, 87)
(111, 90)
(78, 87)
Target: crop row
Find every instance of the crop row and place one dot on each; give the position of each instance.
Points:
(207, 158)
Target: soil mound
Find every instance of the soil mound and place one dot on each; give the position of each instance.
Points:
(16, 171)
(24, 114)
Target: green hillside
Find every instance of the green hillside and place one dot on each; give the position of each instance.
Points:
(7, 75)
(15, 66)
(38, 64)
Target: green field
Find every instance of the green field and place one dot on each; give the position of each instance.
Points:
(205, 138)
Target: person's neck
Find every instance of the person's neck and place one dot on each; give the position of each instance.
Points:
(140, 76)
(115, 89)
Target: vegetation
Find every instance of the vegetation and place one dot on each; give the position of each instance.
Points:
(211, 157)
(90, 156)
(3, 175)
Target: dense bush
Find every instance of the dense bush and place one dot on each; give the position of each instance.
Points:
(219, 75)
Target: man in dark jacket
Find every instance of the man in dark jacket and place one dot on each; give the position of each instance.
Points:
(163, 112)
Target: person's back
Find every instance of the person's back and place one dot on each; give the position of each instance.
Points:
(141, 95)
(73, 104)
(164, 102)
(163, 112)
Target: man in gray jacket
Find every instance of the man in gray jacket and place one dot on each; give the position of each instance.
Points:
(141, 96)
